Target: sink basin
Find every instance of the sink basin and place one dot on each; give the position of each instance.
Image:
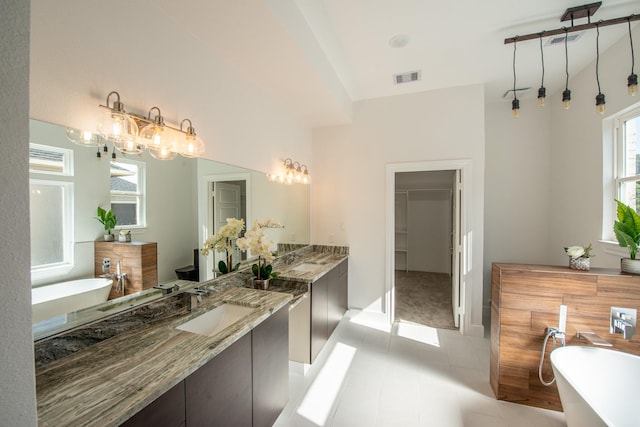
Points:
(214, 321)
(306, 266)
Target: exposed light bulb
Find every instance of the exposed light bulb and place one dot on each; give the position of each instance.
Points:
(632, 84)
(515, 108)
(600, 103)
(566, 99)
(542, 94)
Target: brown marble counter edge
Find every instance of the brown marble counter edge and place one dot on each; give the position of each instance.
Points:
(120, 413)
(559, 269)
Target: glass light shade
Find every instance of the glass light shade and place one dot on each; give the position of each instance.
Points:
(117, 127)
(306, 178)
(160, 140)
(84, 138)
(129, 146)
(192, 146)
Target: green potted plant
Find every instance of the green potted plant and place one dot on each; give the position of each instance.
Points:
(256, 241)
(108, 220)
(627, 231)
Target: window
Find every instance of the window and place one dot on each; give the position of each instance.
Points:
(628, 159)
(51, 210)
(127, 193)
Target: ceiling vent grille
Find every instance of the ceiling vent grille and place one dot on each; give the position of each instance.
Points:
(412, 76)
(557, 40)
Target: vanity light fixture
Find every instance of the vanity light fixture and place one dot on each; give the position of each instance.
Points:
(632, 80)
(132, 134)
(515, 104)
(542, 91)
(290, 173)
(600, 102)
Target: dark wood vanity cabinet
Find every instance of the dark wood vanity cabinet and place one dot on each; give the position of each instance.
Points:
(219, 393)
(247, 384)
(270, 354)
(314, 319)
(167, 410)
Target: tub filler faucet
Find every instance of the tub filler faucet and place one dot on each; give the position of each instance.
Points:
(118, 277)
(593, 339)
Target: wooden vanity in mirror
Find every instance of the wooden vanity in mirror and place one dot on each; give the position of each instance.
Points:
(139, 260)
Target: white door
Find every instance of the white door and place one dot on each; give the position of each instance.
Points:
(456, 245)
(226, 204)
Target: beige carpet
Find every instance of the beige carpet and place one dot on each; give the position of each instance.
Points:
(424, 298)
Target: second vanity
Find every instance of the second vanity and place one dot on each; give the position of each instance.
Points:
(157, 374)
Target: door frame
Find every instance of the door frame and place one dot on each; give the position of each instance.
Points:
(464, 166)
(205, 207)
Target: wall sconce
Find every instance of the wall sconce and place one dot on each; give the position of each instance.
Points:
(291, 172)
(132, 134)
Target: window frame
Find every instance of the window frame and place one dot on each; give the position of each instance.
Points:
(140, 195)
(613, 165)
(63, 180)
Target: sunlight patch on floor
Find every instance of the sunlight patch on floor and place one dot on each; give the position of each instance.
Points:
(420, 333)
(323, 393)
(372, 320)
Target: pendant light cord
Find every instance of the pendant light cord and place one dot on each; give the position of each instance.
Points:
(566, 58)
(514, 67)
(598, 57)
(542, 56)
(633, 59)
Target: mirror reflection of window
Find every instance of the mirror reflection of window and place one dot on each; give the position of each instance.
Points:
(127, 193)
(51, 210)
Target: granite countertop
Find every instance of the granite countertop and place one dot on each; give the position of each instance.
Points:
(107, 383)
(323, 260)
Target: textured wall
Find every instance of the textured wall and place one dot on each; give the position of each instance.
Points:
(17, 385)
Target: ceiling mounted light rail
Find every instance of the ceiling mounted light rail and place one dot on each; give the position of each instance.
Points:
(132, 134)
(571, 14)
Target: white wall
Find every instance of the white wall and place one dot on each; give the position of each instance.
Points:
(82, 50)
(429, 231)
(348, 201)
(17, 383)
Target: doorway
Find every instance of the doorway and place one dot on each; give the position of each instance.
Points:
(425, 242)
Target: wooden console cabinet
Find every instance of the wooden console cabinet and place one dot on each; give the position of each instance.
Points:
(526, 299)
(139, 260)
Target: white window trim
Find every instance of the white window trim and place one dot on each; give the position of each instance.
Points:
(611, 158)
(67, 160)
(47, 271)
(142, 193)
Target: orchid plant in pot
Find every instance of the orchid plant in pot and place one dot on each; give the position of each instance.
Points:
(259, 244)
(222, 241)
(627, 231)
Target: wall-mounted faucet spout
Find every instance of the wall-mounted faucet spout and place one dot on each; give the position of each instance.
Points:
(593, 339)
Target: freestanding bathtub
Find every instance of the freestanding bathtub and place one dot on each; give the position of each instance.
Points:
(61, 298)
(598, 387)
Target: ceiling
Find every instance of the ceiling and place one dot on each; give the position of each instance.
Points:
(318, 56)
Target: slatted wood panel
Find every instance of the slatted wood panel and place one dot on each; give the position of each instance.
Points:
(526, 299)
(138, 259)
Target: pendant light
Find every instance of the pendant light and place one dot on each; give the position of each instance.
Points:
(192, 145)
(542, 91)
(632, 80)
(600, 102)
(566, 94)
(515, 104)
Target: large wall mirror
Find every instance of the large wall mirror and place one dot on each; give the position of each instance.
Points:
(177, 209)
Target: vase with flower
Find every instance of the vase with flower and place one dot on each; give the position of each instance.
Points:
(223, 241)
(259, 244)
(579, 257)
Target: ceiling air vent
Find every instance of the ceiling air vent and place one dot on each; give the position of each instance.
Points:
(557, 40)
(412, 76)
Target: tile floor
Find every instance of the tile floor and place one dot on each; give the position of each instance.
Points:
(411, 375)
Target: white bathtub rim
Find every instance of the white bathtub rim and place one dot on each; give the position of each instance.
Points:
(595, 407)
(93, 282)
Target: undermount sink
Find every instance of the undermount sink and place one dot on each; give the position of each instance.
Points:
(215, 320)
(307, 266)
